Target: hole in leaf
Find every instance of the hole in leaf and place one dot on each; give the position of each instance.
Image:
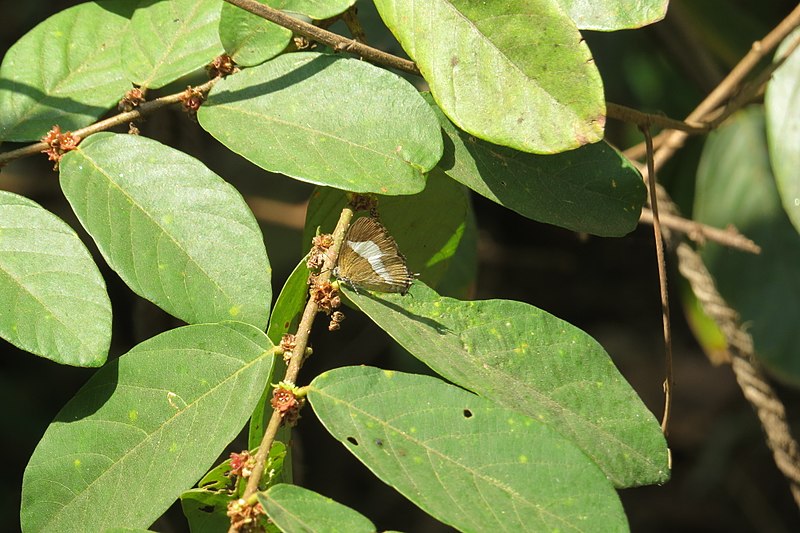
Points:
(379, 442)
(352, 440)
(467, 413)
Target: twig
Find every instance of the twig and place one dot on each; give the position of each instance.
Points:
(662, 279)
(117, 120)
(754, 385)
(337, 42)
(628, 114)
(298, 354)
(701, 233)
(730, 84)
(350, 18)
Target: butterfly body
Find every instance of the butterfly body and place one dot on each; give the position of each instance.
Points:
(370, 259)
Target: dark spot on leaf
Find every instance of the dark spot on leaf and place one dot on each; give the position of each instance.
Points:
(503, 183)
(520, 120)
(206, 509)
(379, 442)
(467, 413)
(352, 440)
(454, 61)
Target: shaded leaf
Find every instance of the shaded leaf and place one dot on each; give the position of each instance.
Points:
(206, 511)
(249, 39)
(294, 508)
(542, 94)
(530, 361)
(611, 15)
(735, 186)
(327, 120)
(593, 189)
(167, 40)
(65, 71)
(461, 458)
(783, 128)
(427, 226)
(174, 231)
(54, 299)
(126, 446)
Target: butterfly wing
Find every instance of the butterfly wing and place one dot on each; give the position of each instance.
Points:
(370, 259)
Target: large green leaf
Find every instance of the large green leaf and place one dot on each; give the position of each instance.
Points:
(174, 231)
(167, 40)
(593, 189)
(461, 458)
(783, 129)
(735, 186)
(144, 428)
(611, 15)
(515, 73)
(54, 298)
(327, 120)
(294, 508)
(65, 71)
(249, 39)
(427, 226)
(530, 361)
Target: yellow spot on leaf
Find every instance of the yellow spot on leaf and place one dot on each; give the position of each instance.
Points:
(388, 373)
(235, 310)
(523, 459)
(76, 463)
(133, 415)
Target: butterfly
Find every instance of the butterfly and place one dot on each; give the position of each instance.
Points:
(369, 259)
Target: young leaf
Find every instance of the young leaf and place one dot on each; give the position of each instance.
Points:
(427, 226)
(593, 189)
(513, 73)
(528, 360)
(612, 15)
(327, 120)
(249, 39)
(64, 71)
(735, 186)
(144, 428)
(174, 231)
(167, 40)
(783, 129)
(461, 458)
(54, 299)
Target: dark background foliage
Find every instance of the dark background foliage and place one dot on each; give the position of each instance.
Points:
(723, 475)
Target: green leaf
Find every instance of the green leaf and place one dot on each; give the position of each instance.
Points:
(513, 73)
(249, 39)
(461, 458)
(783, 128)
(285, 317)
(64, 71)
(54, 299)
(174, 231)
(427, 226)
(327, 120)
(735, 186)
(612, 15)
(167, 40)
(528, 360)
(294, 508)
(145, 427)
(593, 189)
(316, 9)
(206, 511)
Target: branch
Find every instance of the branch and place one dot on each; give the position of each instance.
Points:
(701, 233)
(628, 114)
(298, 354)
(117, 120)
(335, 41)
